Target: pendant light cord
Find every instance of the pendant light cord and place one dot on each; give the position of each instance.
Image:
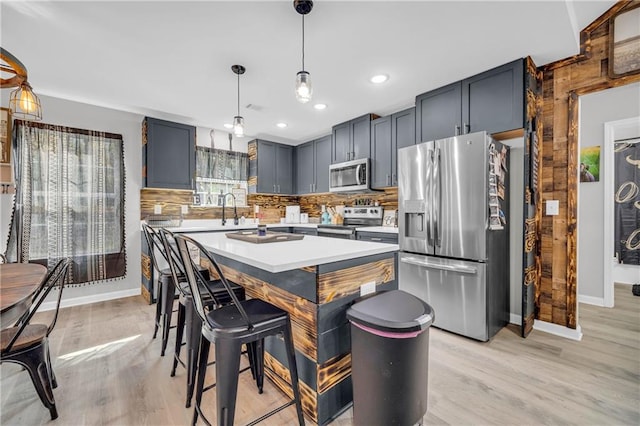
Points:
(302, 42)
(238, 94)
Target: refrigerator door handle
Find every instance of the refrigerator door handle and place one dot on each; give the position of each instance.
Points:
(437, 198)
(427, 264)
(430, 230)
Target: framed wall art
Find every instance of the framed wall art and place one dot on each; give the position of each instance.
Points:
(624, 42)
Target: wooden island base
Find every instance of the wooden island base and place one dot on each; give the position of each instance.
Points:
(317, 298)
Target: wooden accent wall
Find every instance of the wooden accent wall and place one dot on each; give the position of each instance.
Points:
(388, 199)
(563, 82)
(272, 207)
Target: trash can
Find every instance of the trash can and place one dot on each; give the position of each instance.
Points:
(390, 358)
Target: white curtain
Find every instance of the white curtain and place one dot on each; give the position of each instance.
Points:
(69, 200)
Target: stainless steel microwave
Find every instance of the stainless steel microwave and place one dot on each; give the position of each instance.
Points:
(349, 176)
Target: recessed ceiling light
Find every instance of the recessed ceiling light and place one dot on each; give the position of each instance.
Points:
(281, 125)
(377, 79)
(320, 106)
(228, 126)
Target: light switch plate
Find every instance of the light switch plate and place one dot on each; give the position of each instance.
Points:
(185, 209)
(553, 207)
(367, 288)
(157, 209)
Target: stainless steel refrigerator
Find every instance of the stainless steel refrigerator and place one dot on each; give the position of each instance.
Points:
(454, 233)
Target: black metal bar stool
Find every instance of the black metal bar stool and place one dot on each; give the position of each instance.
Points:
(228, 327)
(189, 322)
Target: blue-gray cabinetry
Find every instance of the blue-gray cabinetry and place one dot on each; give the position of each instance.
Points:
(168, 154)
(312, 161)
(377, 237)
(388, 134)
(272, 167)
(351, 139)
(491, 101)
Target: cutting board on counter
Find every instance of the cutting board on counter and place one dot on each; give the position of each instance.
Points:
(271, 237)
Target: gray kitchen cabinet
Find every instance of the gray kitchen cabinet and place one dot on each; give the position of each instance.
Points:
(168, 154)
(312, 161)
(491, 101)
(352, 139)
(377, 237)
(272, 168)
(388, 134)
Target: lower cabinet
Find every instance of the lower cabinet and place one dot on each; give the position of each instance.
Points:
(377, 237)
(305, 231)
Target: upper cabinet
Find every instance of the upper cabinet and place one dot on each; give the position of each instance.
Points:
(312, 160)
(352, 139)
(168, 154)
(491, 101)
(388, 134)
(270, 167)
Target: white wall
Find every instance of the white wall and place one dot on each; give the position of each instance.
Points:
(595, 110)
(83, 116)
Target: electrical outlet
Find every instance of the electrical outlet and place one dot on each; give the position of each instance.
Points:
(367, 288)
(157, 209)
(185, 209)
(553, 207)
(256, 209)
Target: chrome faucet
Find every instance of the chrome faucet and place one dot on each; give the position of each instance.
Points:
(235, 210)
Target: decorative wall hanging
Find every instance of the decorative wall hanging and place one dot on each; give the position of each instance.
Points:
(624, 45)
(590, 164)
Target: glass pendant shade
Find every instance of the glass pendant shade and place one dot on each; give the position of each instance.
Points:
(304, 89)
(23, 103)
(238, 126)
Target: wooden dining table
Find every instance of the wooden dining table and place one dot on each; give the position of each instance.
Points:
(18, 282)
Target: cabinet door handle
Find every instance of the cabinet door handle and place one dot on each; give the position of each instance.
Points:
(376, 239)
(467, 128)
(274, 187)
(456, 130)
(278, 189)
(310, 187)
(395, 179)
(388, 180)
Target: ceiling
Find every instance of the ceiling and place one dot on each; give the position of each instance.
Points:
(172, 60)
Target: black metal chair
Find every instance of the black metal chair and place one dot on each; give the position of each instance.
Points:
(188, 320)
(166, 287)
(228, 327)
(27, 344)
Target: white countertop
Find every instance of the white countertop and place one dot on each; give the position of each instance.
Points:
(203, 225)
(288, 255)
(385, 229)
(200, 225)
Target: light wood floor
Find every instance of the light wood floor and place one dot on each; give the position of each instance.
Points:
(110, 372)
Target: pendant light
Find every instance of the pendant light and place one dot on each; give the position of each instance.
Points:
(238, 121)
(304, 89)
(23, 103)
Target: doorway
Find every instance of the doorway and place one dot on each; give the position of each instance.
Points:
(604, 117)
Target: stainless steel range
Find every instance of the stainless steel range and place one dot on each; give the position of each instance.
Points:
(354, 217)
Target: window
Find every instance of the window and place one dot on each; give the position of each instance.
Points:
(69, 200)
(218, 172)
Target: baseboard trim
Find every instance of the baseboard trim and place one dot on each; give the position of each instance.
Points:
(85, 300)
(515, 319)
(590, 300)
(558, 330)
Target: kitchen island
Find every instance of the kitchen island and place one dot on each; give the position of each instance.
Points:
(314, 279)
